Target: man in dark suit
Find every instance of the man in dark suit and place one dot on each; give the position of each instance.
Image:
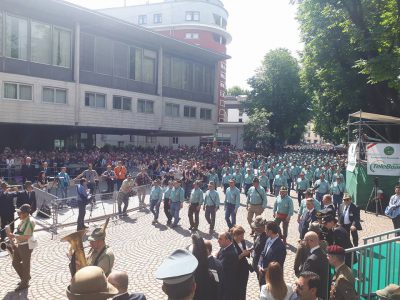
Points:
(274, 250)
(230, 263)
(317, 262)
(349, 217)
(120, 281)
(260, 239)
(7, 208)
(28, 171)
(308, 217)
(214, 265)
(45, 168)
(27, 196)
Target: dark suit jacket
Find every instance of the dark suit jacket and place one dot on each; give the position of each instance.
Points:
(306, 222)
(354, 215)
(22, 198)
(276, 252)
(28, 173)
(215, 264)
(259, 245)
(342, 238)
(318, 263)
(126, 296)
(7, 208)
(230, 262)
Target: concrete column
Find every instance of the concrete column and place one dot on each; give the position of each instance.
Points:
(77, 40)
(160, 86)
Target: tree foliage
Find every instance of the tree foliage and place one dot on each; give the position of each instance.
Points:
(256, 132)
(276, 88)
(351, 60)
(236, 91)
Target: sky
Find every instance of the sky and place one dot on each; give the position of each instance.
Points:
(256, 26)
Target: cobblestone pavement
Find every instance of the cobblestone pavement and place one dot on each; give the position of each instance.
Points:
(139, 248)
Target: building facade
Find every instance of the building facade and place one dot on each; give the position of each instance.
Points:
(310, 137)
(71, 75)
(198, 22)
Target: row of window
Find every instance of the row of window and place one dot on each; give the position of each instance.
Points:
(187, 75)
(38, 42)
(34, 41)
(157, 19)
(19, 91)
(104, 56)
(173, 110)
(189, 16)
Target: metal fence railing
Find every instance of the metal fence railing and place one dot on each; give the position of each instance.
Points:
(63, 212)
(379, 237)
(378, 263)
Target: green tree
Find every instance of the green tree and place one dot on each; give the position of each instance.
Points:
(236, 91)
(350, 60)
(256, 134)
(276, 87)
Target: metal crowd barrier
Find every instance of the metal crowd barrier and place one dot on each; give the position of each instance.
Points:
(378, 263)
(63, 209)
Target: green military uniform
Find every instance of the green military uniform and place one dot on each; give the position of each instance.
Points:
(104, 258)
(342, 286)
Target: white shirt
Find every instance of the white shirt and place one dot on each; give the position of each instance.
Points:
(314, 248)
(269, 243)
(346, 215)
(394, 200)
(266, 294)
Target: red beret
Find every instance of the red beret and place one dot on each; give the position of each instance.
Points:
(335, 250)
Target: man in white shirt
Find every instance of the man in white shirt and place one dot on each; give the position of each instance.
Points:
(394, 204)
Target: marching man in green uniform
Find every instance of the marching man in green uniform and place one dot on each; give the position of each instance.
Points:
(237, 176)
(283, 210)
(213, 176)
(211, 205)
(279, 181)
(264, 181)
(225, 180)
(248, 180)
(156, 194)
(22, 252)
(196, 200)
(321, 187)
(302, 185)
(256, 202)
(232, 203)
(338, 189)
(177, 198)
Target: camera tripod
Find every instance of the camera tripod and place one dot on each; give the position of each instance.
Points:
(374, 198)
(92, 204)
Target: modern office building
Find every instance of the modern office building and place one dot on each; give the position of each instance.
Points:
(198, 22)
(69, 74)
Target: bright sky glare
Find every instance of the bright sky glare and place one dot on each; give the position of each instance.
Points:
(256, 26)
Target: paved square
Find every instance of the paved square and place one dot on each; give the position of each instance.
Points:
(139, 249)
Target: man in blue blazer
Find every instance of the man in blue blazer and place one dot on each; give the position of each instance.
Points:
(274, 250)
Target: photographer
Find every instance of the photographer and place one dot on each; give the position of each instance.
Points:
(83, 199)
(63, 179)
(109, 176)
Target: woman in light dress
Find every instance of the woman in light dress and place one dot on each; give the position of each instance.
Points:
(275, 287)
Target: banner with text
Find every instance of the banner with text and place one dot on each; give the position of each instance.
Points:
(352, 157)
(383, 159)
